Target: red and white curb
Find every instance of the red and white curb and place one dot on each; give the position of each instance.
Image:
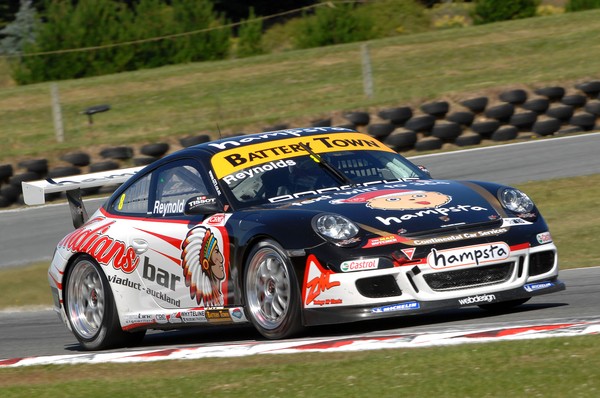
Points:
(330, 344)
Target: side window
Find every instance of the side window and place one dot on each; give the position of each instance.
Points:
(175, 184)
(134, 200)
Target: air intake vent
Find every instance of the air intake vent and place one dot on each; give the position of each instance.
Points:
(467, 278)
(540, 263)
(379, 286)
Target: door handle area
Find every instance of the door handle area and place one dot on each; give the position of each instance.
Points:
(140, 246)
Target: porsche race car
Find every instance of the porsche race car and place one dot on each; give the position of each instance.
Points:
(285, 230)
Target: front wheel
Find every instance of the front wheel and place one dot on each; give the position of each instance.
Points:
(271, 292)
(91, 308)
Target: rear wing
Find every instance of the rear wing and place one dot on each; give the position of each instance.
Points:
(34, 192)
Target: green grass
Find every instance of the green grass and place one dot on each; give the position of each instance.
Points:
(297, 86)
(569, 206)
(554, 367)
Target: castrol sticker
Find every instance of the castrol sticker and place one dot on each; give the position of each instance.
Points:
(360, 265)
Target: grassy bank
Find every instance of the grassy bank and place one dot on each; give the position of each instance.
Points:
(295, 87)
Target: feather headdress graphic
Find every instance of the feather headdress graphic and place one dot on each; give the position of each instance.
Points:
(203, 266)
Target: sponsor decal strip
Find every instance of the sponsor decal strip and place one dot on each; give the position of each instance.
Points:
(231, 160)
(330, 344)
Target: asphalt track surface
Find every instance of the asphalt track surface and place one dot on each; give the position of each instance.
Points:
(29, 235)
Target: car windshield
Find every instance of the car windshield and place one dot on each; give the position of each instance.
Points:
(303, 176)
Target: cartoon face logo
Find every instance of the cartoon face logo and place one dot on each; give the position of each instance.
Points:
(203, 266)
(399, 199)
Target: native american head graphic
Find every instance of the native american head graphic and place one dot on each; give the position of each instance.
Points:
(203, 266)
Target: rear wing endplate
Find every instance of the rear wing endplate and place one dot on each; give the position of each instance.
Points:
(34, 192)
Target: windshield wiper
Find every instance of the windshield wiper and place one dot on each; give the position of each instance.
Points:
(328, 166)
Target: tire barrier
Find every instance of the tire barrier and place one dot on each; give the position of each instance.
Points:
(118, 153)
(515, 97)
(514, 114)
(401, 139)
(397, 116)
(420, 123)
(464, 118)
(155, 150)
(80, 159)
(358, 118)
(380, 130)
(437, 109)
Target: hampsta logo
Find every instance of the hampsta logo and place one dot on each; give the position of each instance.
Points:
(94, 241)
(469, 255)
(482, 298)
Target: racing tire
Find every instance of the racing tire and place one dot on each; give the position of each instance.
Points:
(117, 152)
(546, 127)
(194, 140)
(505, 133)
(463, 118)
(523, 120)
(401, 139)
(380, 130)
(437, 109)
(321, 122)
(421, 124)
(4, 202)
(271, 292)
(485, 128)
(39, 166)
(591, 89)
(6, 171)
(475, 105)
(397, 116)
(143, 160)
(560, 112)
(553, 93)
(574, 100)
(105, 165)
(500, 112)
(276, 127)
(91, 310)
(446, 131)
(428, 144)
(63, 171)
(468, 139)
(80, 159)
(592, 107)
(585, 120)
(155, 150)
(538, 105)
(10, 193)
(503, 305)
(358, 118)
(515, 97)
(17, 179)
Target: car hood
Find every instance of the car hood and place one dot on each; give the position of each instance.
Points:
(416, 207)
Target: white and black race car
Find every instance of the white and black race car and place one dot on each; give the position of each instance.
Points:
(289, 229)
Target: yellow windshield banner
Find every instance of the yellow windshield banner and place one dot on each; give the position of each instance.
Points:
(235, 159)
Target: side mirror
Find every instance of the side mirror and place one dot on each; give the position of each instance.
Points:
(424, 170)
(201, 205)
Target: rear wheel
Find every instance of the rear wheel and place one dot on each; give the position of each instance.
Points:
(504, 305)
(91, 308)
(271, 292)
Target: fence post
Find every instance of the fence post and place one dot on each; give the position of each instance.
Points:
(367, 73)
(57, 113)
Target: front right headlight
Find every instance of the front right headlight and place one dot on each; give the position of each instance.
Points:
(515, 200)
(334, 227)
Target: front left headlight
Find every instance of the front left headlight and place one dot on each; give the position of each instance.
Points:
(335, 227)
(515, 200)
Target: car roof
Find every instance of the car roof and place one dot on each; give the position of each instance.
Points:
(213, 147)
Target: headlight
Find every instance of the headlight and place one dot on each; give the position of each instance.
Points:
(515, 200)
(335, 227)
